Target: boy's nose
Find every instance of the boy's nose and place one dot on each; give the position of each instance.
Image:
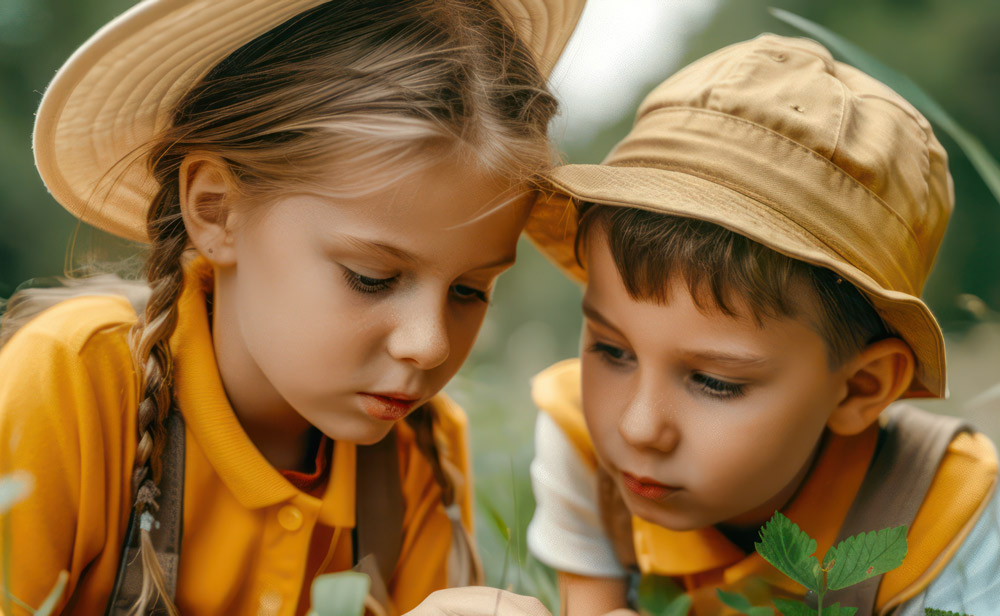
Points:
(648, 423)
(421, 335)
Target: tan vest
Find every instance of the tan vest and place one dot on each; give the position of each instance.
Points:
(703, 560)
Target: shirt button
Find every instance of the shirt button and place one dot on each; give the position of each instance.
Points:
(290, 517)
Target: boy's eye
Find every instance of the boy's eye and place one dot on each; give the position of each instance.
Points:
(464, 292)
(367, 284)
(609, 353)
(717, 387)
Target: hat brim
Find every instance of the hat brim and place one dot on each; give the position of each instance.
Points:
(119, 89)
(552, 227)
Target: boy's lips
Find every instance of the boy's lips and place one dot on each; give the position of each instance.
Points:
(388, 406)
(646, 487)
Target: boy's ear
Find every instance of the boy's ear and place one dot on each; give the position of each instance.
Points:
(205, 207)
(876, 377)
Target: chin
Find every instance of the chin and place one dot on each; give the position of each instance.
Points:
(672, 518)
(360, 431)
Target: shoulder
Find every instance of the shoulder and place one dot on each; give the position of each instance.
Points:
(558, 385)
(969, 583)
(75, 325)
(556, 392)
(73, 356)
(961, 492)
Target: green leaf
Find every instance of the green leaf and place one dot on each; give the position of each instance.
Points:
(14, 488)
(796, 608)
(49, 605)
(930, 611)
(661, 596)
(741, 604)
(860, 557)
(980, 158)
(339, 594)
(789, 549)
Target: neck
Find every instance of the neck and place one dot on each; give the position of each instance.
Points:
(278, 431)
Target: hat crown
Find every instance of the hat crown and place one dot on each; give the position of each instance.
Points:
(794, 88)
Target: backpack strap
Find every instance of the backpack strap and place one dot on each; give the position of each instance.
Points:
(912, 444)
(378, 531)
(165, 533)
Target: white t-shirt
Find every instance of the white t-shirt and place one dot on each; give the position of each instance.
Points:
(566, 533)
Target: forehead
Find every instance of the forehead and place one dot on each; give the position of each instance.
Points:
(446, 215)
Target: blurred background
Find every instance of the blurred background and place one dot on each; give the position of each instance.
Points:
(621, 50)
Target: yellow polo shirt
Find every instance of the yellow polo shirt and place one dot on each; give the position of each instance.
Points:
(252, 542)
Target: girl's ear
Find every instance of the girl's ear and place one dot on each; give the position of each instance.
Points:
(205, 207)
(876, 377)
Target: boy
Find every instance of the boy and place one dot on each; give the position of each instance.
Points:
(754, 252)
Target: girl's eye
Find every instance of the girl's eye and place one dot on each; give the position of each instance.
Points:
(465, 293)
(367, 284)
(717, 387)
(609, 353)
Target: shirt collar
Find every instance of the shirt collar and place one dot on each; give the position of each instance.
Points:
(210, 419)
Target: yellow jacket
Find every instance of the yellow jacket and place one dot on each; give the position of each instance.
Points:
(252, 543)
(703, 560)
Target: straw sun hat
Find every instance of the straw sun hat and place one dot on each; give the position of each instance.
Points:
(119, 88)
(774, 140)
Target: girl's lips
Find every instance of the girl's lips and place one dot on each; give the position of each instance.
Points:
(646, 487)
(386, 408)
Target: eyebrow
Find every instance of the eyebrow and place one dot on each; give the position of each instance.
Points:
(381, 249)
(723, 357)
(592, 314)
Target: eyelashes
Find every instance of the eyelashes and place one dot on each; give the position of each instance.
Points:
(367, 284)
(717, 387)
(371, 286)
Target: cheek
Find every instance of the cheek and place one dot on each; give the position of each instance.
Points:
(604, 398)
(756, 457)
(305, 325)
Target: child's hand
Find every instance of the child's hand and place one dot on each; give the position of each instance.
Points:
(478, 601)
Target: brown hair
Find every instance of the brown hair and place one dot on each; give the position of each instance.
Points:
(728, 271)
(366, 81)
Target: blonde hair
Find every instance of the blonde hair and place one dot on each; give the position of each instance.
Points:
(368, 82)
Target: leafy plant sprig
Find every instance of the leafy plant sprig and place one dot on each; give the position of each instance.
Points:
(850, 562)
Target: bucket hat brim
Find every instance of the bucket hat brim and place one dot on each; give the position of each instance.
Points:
(118, 89)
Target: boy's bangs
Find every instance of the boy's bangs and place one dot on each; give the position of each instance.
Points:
(731, 273)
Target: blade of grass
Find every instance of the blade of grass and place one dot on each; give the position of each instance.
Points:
(49, 605)
(502, 529)
(517, 527)
(984, 163)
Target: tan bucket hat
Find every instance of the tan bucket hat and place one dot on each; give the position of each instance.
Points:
(118, 89)
(773, 139)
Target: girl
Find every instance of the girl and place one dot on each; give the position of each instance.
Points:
(329, 191)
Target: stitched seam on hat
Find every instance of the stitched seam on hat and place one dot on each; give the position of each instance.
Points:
(843, 112)
(801, 147)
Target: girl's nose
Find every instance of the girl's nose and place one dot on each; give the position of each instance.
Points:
(421, 335)
(649, 423)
